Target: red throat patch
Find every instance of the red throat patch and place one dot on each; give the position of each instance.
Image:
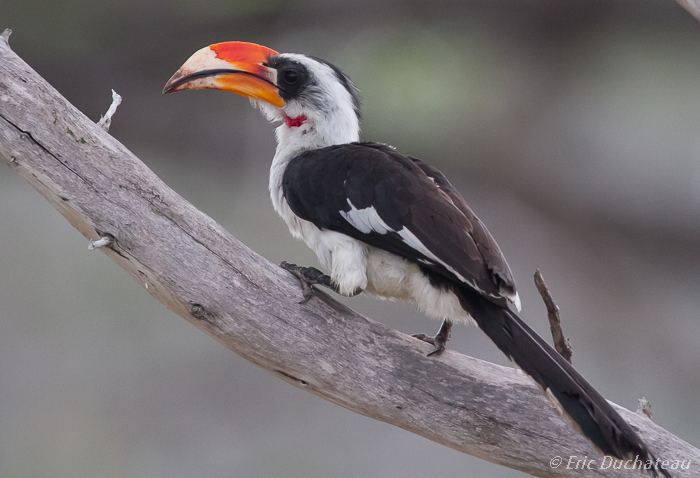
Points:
(294, 122)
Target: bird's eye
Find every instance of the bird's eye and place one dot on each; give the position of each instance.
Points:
(291, 77)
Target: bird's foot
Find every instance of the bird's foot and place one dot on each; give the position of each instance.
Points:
(439, 340)
(308, 276)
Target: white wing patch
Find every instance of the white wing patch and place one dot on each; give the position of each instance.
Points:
(366, 220)
(410, 239)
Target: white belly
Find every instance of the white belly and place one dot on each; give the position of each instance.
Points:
(353, 264)
(393, 277)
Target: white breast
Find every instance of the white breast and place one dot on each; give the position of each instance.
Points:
(342, 256)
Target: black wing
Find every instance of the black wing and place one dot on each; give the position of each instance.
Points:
(421, 216)
(378, 196)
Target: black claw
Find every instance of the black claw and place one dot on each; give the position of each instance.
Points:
(439, 340)
(424, 338)
(305, 281)
(306, 291)
(439, 348)
(308, 276)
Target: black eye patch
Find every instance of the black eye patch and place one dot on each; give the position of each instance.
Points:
(292, 77)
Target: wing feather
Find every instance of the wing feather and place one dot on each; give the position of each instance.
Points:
(400, 204)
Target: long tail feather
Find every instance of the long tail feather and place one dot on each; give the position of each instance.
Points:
(597, 420)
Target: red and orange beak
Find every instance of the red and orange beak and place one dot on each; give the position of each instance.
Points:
(233, 66)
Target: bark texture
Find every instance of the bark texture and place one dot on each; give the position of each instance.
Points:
(693, 6)
(199, 271)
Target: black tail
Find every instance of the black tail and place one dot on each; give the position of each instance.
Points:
(598, 421)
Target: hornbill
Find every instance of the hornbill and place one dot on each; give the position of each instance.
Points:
(388, 224)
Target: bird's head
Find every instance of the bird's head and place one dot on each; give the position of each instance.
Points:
(316, 102)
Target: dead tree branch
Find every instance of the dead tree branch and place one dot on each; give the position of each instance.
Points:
(198, 270)
(693, 6)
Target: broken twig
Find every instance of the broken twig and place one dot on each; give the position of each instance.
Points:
(106, 120)
(561, 343)
(104, 241)
(644, 407)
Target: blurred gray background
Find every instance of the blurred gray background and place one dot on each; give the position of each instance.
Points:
(572, 128)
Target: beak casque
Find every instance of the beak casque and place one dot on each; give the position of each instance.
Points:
(238, 67)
